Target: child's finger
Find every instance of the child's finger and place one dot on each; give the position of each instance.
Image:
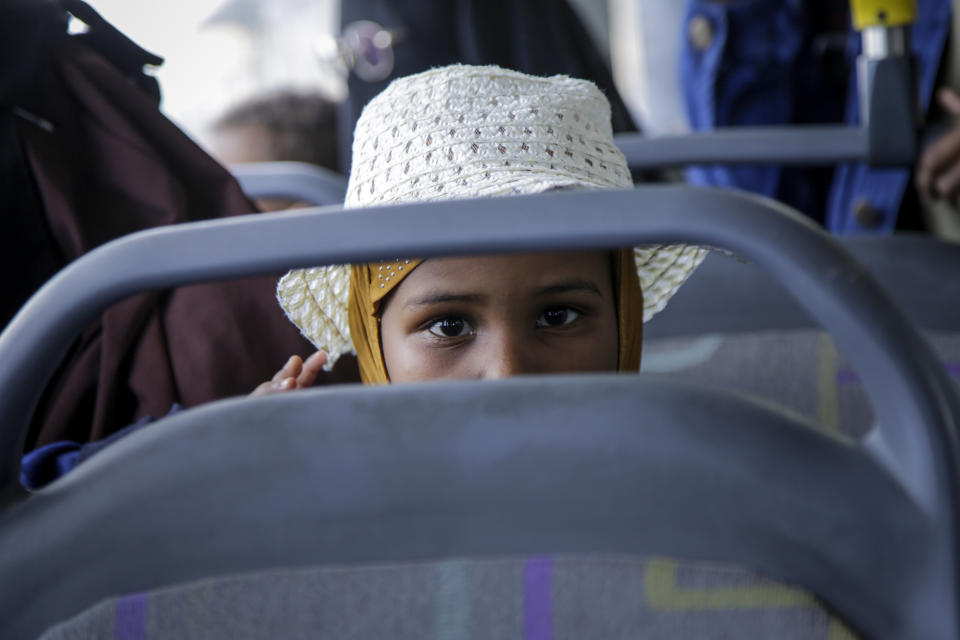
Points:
(291, 369)
(949, 100)
(311, 369)
(316, 361)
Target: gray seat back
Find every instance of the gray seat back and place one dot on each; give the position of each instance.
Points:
(729, 295)
(453, 469)
(291, 181)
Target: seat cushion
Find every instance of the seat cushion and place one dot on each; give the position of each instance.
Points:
(555, 597)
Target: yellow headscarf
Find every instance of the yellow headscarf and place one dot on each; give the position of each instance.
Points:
(370, 284)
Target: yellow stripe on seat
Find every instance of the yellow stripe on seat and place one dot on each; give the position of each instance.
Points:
(662, 593)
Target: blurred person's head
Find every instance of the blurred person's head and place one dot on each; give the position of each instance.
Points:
(281, 126)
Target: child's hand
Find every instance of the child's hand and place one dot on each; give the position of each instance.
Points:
(295, 374)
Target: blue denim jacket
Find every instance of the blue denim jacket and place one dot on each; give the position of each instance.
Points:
(756, 68)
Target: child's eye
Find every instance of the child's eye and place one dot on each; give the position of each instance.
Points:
(450, 328)
(557, 317)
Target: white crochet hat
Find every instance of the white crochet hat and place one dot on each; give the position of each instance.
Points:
(469, 132)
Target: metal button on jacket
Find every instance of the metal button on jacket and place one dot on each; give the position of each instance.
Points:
(866, 214)
(700, 31)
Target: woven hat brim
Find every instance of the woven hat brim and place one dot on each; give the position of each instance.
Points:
(316, 299)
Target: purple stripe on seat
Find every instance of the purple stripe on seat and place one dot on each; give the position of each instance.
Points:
(847, 376)
(131, 619)
(537, 623)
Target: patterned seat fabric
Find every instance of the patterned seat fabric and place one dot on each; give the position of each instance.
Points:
(800, 370)
(534, 598)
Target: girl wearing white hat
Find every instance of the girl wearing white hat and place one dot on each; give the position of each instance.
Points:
(469, 132)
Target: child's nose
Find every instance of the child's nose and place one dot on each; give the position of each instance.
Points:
(505, 357)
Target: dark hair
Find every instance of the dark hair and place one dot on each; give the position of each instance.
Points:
(300, 127)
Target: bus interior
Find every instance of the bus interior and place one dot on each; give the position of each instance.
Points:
(785, 464)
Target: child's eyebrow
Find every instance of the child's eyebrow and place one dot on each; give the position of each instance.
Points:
(567, 286)
(444, 296)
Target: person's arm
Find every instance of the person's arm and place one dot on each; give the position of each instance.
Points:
(42, 466)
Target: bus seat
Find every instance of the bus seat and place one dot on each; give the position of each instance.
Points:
(291, 181)
(733, 326)
(728, 294)
(604, 465)
(404, 476)
(798, 369)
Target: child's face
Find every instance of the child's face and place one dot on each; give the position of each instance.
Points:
(498, 316)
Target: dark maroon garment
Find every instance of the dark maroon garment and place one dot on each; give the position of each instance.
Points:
(91, 158)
